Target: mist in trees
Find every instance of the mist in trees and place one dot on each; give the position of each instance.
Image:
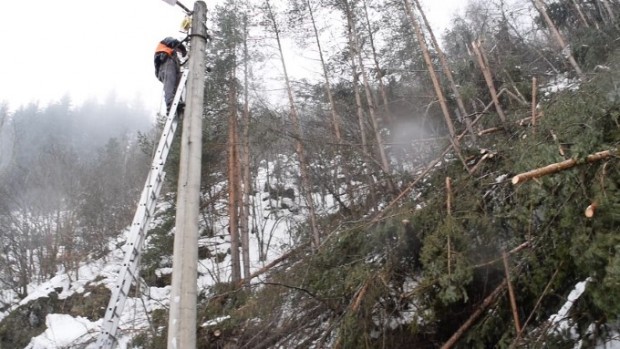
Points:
(396, 144)
(69, 181)
(385, 112)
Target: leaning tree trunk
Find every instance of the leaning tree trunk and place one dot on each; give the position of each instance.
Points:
(561, 166)
(354, 41)
(610, 12)
(538, 52)
(358, 103)
(431, 70)
(328, 90)
(581, 15)
(299, 147)
(447, 71)
(488, 77)
(233, 178)
(244, 220)
(386, 103)
(540, 6)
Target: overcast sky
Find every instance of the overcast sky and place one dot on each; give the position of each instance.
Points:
(89, 48)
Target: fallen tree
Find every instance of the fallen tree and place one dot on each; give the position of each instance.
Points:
(561, 166)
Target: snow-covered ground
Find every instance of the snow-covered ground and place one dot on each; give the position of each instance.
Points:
(276, 219)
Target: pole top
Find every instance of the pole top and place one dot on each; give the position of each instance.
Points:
(176, 2)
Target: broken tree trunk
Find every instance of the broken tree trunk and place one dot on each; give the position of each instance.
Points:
(379, 74)
(511, 294)
(486, 72)
(328, 89)
(534, 102)
(454, 140)
(446, 69)
(431, 70)
(540, 6)
(475, 315)
(590, 210)
(557, 142)
(244, 221)
(489, 130)
(359, 296)
(515, 343)
(358, 101)
(581, 15)
(233, 182)
(355, 42)
(449, 209)
(271, 265)
(299, 146)
(561, 166)
(426, 170)
(513, 251)
(612, 16)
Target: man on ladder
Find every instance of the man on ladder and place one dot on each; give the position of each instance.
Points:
(168, 68)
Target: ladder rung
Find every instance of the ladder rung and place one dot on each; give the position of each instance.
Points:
(141, 221)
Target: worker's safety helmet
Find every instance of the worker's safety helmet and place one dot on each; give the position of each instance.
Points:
(175, 45)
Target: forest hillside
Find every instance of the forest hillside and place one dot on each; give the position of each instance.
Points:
(417, 190)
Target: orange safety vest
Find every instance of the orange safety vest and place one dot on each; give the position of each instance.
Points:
(163, 48)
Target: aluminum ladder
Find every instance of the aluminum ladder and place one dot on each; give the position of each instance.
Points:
(140, 225)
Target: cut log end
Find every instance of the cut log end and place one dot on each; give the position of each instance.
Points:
(561, 166)
(590, 210)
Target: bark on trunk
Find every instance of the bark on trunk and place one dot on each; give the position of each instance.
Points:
(437, 86)
(244, 222)
(299, 147)
(474, 316)
(358, 105)
(561, 166)
(534, 102)
(371, 107)
(612, 16)
(486, 72)
(447, 71)
(558, 37)
(233, 213)
(431, 70)
(581, 15)
(379, 74)
(511, 294)
(328, 90)
(449, 210)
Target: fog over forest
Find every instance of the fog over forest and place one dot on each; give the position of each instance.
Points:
(81, 161)
(454, 189)
(80, 129)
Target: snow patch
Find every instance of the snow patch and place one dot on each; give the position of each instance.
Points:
(560, 321)
(274, 233)
(64, 331)
(560, 83)
(215, 321)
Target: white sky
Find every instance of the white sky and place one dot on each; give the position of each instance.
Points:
(88, 49)
(83, 48)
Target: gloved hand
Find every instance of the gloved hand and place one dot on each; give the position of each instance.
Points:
(182, 49)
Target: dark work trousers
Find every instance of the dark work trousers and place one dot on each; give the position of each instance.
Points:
(169, 74)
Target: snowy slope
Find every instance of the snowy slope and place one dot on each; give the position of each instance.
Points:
(274, 236)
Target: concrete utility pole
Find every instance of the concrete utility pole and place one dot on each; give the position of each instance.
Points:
(182, 320)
